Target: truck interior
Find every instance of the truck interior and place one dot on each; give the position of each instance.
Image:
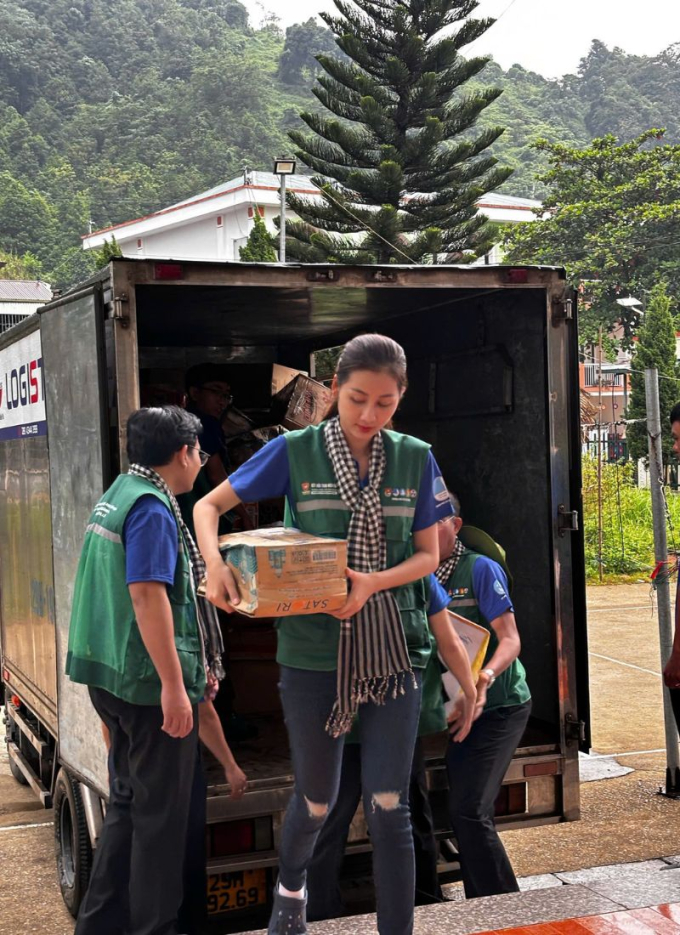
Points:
(477, 392)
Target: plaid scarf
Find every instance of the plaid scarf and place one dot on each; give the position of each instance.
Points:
(211, 636)
(449, 565)
(373, 658)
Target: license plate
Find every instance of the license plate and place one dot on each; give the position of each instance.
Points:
(240, 889)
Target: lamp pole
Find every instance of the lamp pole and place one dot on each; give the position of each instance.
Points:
(282, 231)
(282, 168)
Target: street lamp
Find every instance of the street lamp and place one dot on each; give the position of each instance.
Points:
(282, 168)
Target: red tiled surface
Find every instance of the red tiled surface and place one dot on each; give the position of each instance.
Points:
(660, 920)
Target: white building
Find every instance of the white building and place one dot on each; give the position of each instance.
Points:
(215, 224)
(19, 298)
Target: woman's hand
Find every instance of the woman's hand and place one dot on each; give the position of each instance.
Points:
(220, 587)
(362, 586)
(461, 718)
(237, 780)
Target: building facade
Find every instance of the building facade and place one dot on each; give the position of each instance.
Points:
(19, 298)
(215, 224)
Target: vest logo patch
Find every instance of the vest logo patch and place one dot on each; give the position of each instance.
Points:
(399, 493)
(458, 592)
(439, 490)
(318, 489)
(103, 509)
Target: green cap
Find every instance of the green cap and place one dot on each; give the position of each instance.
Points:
(479, 541)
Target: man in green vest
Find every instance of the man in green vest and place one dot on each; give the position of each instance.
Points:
(135, 641)
(472, 569)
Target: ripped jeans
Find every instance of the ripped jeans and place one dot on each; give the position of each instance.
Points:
(388, 735)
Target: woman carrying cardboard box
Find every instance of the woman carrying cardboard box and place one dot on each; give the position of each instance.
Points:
(352, 478)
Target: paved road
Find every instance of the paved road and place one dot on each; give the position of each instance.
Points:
(622, 818)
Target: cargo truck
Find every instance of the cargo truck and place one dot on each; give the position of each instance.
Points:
(493, 373)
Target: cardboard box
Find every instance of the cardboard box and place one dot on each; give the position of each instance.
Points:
(301, 403)
(281, 571)
(282, 376)
(475, 639)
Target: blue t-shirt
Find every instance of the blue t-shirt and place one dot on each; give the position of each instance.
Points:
(490, 585)
(150, 541)
(439, 599)
(267, 474)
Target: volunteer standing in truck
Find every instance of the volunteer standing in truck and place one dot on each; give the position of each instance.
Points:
(352, 478)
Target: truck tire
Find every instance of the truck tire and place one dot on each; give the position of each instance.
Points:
(13, 734)
(16, 772)
(72, 840)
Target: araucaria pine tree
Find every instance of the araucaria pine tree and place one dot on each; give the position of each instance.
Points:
(398, 164)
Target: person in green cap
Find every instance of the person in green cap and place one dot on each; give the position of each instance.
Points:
(472, 569)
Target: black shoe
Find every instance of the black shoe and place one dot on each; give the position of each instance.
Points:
(289, 915)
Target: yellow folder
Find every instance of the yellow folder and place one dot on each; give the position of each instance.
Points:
(475, 639)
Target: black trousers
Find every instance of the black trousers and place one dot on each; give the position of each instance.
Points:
(675, 701)
(475, 769)
(137, 878)
(323, 873)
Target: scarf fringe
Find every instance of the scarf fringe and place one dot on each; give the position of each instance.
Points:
(375, 689)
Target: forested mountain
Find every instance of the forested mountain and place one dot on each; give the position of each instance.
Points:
(111, 110)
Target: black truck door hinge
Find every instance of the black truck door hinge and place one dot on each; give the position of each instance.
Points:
(118, 310)
(567, 520)
(562, 310)
(574, 730)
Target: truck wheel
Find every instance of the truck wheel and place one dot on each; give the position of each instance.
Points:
(13, 734)
(16, 772)
(74, 852)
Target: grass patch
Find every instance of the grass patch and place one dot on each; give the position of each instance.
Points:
(627, 536)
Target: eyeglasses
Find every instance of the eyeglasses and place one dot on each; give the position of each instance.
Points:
(220, 394)
(203, 455)
(446, 519)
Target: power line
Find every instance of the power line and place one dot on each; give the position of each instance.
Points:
(368, 227)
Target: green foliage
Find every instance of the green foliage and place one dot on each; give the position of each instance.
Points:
(655, 348)
(109, 111)
(105, 254)
(399, 182)
(259, 247)
(611, 214)
(627, 535)
(304, 42)
(26, 266)
(112, 111)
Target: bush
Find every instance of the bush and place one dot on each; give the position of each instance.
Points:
(627, 535)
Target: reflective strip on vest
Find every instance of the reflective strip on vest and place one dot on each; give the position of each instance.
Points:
(465, 602)
(409, 511)
(307, 506)
(104, 533)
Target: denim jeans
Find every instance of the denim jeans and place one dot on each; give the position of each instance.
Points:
(387, 734)
(323, 873)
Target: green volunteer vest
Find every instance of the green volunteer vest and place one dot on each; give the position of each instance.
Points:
(311, 641)
(510, 687)
(105, 647)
